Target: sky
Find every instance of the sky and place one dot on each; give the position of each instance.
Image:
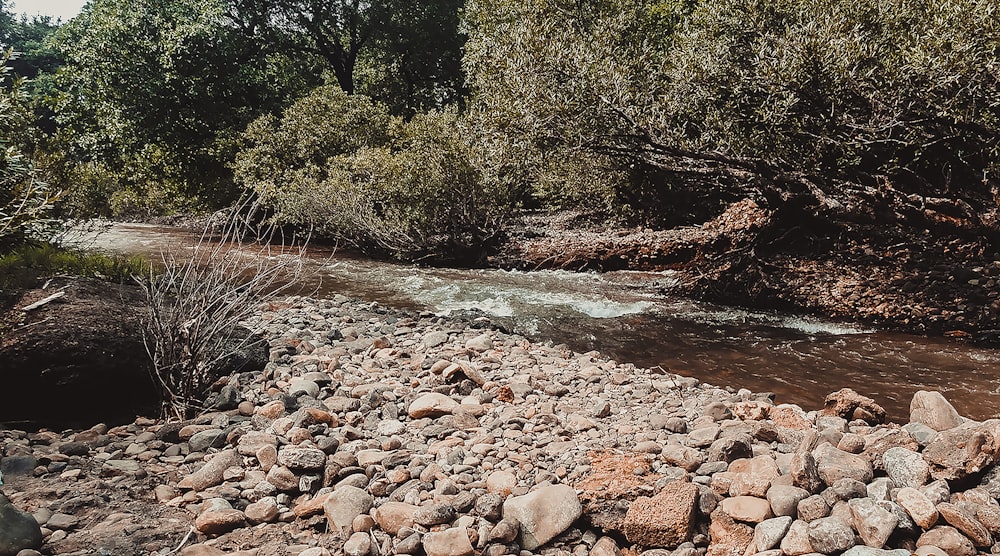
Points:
(65, 9)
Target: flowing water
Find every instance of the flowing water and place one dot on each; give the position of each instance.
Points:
(621, 314)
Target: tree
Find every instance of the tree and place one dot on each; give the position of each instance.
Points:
(158, 92)
(403, 52)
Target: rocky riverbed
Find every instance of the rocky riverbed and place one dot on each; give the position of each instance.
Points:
(372, 432)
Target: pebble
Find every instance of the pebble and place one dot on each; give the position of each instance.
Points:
(379, 432)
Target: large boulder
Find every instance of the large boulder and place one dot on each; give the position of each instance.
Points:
(18, 530)
(543, 514)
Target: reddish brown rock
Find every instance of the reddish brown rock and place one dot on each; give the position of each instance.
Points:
(960, 452)
(665, 520)
(850, 405)
(965, 522)
(217, 522)
(729, 538)
(948, 539)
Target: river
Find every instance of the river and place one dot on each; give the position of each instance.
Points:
(622, 315)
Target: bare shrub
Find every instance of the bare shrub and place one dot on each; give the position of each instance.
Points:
(195, 305)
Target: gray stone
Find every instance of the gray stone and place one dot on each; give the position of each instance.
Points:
(436, 514)
(768, 533)
(731, 448)
(301, 459)
(450, 542)
(873, 523)
(932, 409)
(784, 499)
(359, 544)
(345, 504)
(544, 513)
(203, 440)
(906, 468)
(828, 535)
(211, 473)
(20, 531)
(861, 550)
(833, 464)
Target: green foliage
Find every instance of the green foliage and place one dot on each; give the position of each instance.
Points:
(558, 81)
(641, 102)
(405, 53)
(339, 164)
(25, 201)
(905, 90)
(158, 92)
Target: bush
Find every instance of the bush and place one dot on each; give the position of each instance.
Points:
(340, 165)
(25, 201)
(843, 89)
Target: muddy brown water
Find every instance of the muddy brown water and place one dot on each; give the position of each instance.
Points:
(620, 314)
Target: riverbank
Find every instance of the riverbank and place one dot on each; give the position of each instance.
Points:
(945, 283)
(373, 431)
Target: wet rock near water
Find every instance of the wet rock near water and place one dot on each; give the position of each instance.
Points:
(373, 432)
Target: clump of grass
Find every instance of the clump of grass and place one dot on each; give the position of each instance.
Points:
(22, 266)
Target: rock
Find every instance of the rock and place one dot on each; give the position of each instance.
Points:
(784, 499)
(203, 440)
(435, 514)
(861, 550)
(768, 533)
(804, 472)
(948, 539)
(61, 521)
(359, 544)
(960, 452)
(932, 409)
(264, 510)
(605, 546)
(20, 531)
(543, 513)
(906, 468)
(918, 506)
(729, 538)
(833, 464)
(252, 441)
(747, 508)
(731, 448)
(345, 504)
(450, 542)
(483, 342)
(665, 520)
(829, 535)
(489, 506)
(796, 541)
(212, 472)
(432, 405)
(686, 458)
(966, 523)
(873, 523)
(392, 516)
(501, 482)
(505, 532)
(301, 459)
(850, 405)
(434, 339)
(813, 508)
(218, 522)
